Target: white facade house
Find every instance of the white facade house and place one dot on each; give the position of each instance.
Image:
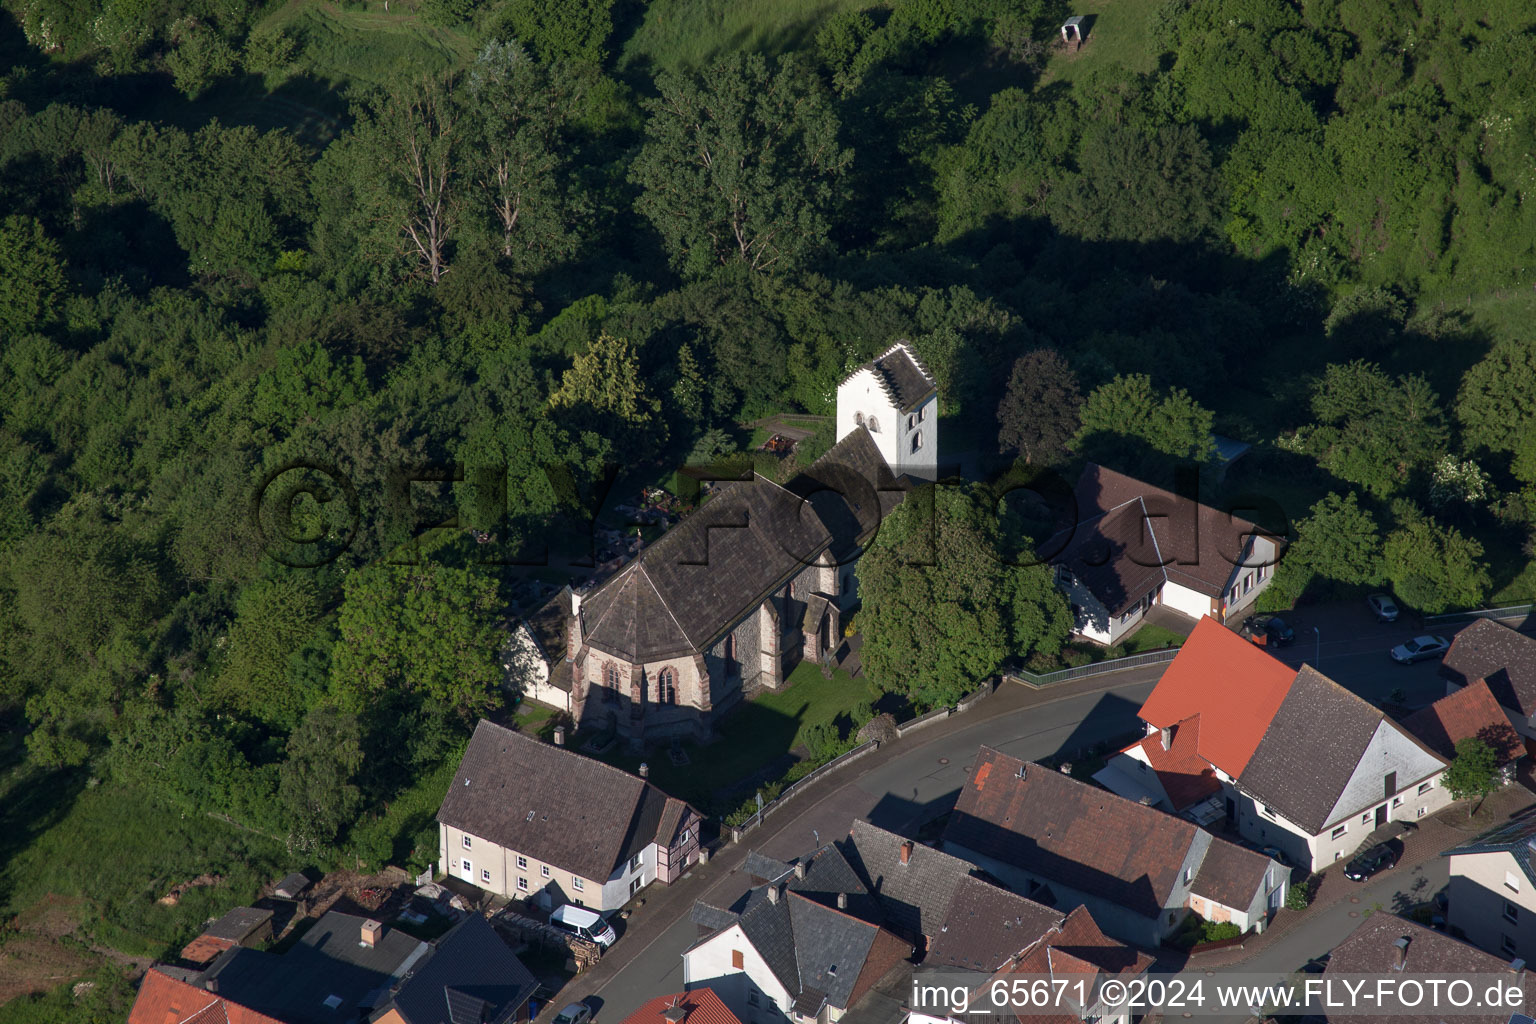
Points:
(895, 399)
(1491, 900)
(1135, 546)
(1299, 762)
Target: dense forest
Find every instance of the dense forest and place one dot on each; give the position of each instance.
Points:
(284, 285)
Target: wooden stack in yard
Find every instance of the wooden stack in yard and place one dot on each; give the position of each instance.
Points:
(527, 930)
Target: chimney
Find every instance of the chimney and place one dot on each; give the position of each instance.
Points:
(559, 735)
(799, 869)
(645, 770)
(906, 851)
(1402, 953)
(370, 933)
(211, 984)
(773, 894)
(1165, 734)
(842, 901)
(674, 1014)
(1517, 965)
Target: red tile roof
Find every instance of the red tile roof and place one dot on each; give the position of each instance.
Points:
(701, 1006)
(1234, 687)
(165, 1000)
(1186, 777)
(1469, 712)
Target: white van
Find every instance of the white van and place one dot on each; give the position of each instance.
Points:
(583, 922)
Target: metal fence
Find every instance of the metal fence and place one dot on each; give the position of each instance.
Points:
(1507, 612)
(1039, 679)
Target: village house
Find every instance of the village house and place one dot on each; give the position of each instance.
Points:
(1387, 946)
(1071, 950)
(778, 955)
(1505, 660)
(1472, 712)
(700, 1006)
(531, 820)
(1299, 762)
(1138, 870)
(347, 968)
(1491, 900)
(759, 578)
(1135, 547)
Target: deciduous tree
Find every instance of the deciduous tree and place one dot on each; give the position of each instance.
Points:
(1038, 415)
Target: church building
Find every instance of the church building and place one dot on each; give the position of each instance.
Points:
(758, 579)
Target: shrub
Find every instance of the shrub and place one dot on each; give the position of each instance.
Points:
(1219, 931)
(1299, 896)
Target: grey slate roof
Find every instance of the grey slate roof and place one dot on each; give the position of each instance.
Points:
(1504, 657)
(238, 923)
(1513, 837)
(905, 378)
(828, 874)
(851, 488)
(681, 593)
(914, 896)
(554, 804)
(1310, 750)
(328, 961)
(471, 977)
(984, 926)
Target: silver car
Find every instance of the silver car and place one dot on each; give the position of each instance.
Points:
(1420, 648)
(576, 1013)
(1383, 606)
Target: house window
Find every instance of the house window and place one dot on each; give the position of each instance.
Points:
(873, 424)
(666, 681)
(1265, 809)
(751, 998)
(485, 874)
(1420, 814)
(1247, 583)
(1339, 832)
(610, 683)
(1188, 874)
(1511, 881)
(1511, 912)
(1507, 945)
(737, 960)
(917, 440)
(911, 421)
(1425, 787)
(1390, 784)
(732, 663)
(1397, 801)
(634, 862)
(466, 842)
(577, 883)
(522, 884)
(1232, 598)
(922, 414)
(522, 862)
(544, 870)
(468, 868)
(1365, 819)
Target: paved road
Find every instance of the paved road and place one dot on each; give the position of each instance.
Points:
(926, 778)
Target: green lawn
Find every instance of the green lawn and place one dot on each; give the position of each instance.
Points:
(1118, 34)
(753, 736)
(372, 45)
(690, 33)
(1151, 637)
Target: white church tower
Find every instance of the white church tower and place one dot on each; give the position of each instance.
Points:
(895, 398)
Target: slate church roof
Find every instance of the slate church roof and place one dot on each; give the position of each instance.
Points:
(902, 376)
(681, 594)
(554, 804)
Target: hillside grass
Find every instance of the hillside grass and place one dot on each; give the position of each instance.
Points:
(677, 34)
(371, 45)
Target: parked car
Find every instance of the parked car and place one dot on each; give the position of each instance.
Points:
(1420, 648)
(1377, 859)
(1384, 608)
(585, 923)
(575, 1013)
(1269, 631)
(1275, 854)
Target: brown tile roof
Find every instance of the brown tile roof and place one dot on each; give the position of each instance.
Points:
(1066, 831)
(1372, 949)
(701, 1006)
(1232, 686)
(554, 804)
(984, 926)
(166, 1000)
(1185, 776)
(1232, 875)
(1504, 657)
(1311, 749)
(1131, 535)
(1470, 712)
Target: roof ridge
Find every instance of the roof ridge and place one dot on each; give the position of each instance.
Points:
(1146, 517)
(645, 784)
(788, 892)
(664, 604)
(627, 570)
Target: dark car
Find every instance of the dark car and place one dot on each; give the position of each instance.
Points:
(1270, 631)
(1377, 859)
